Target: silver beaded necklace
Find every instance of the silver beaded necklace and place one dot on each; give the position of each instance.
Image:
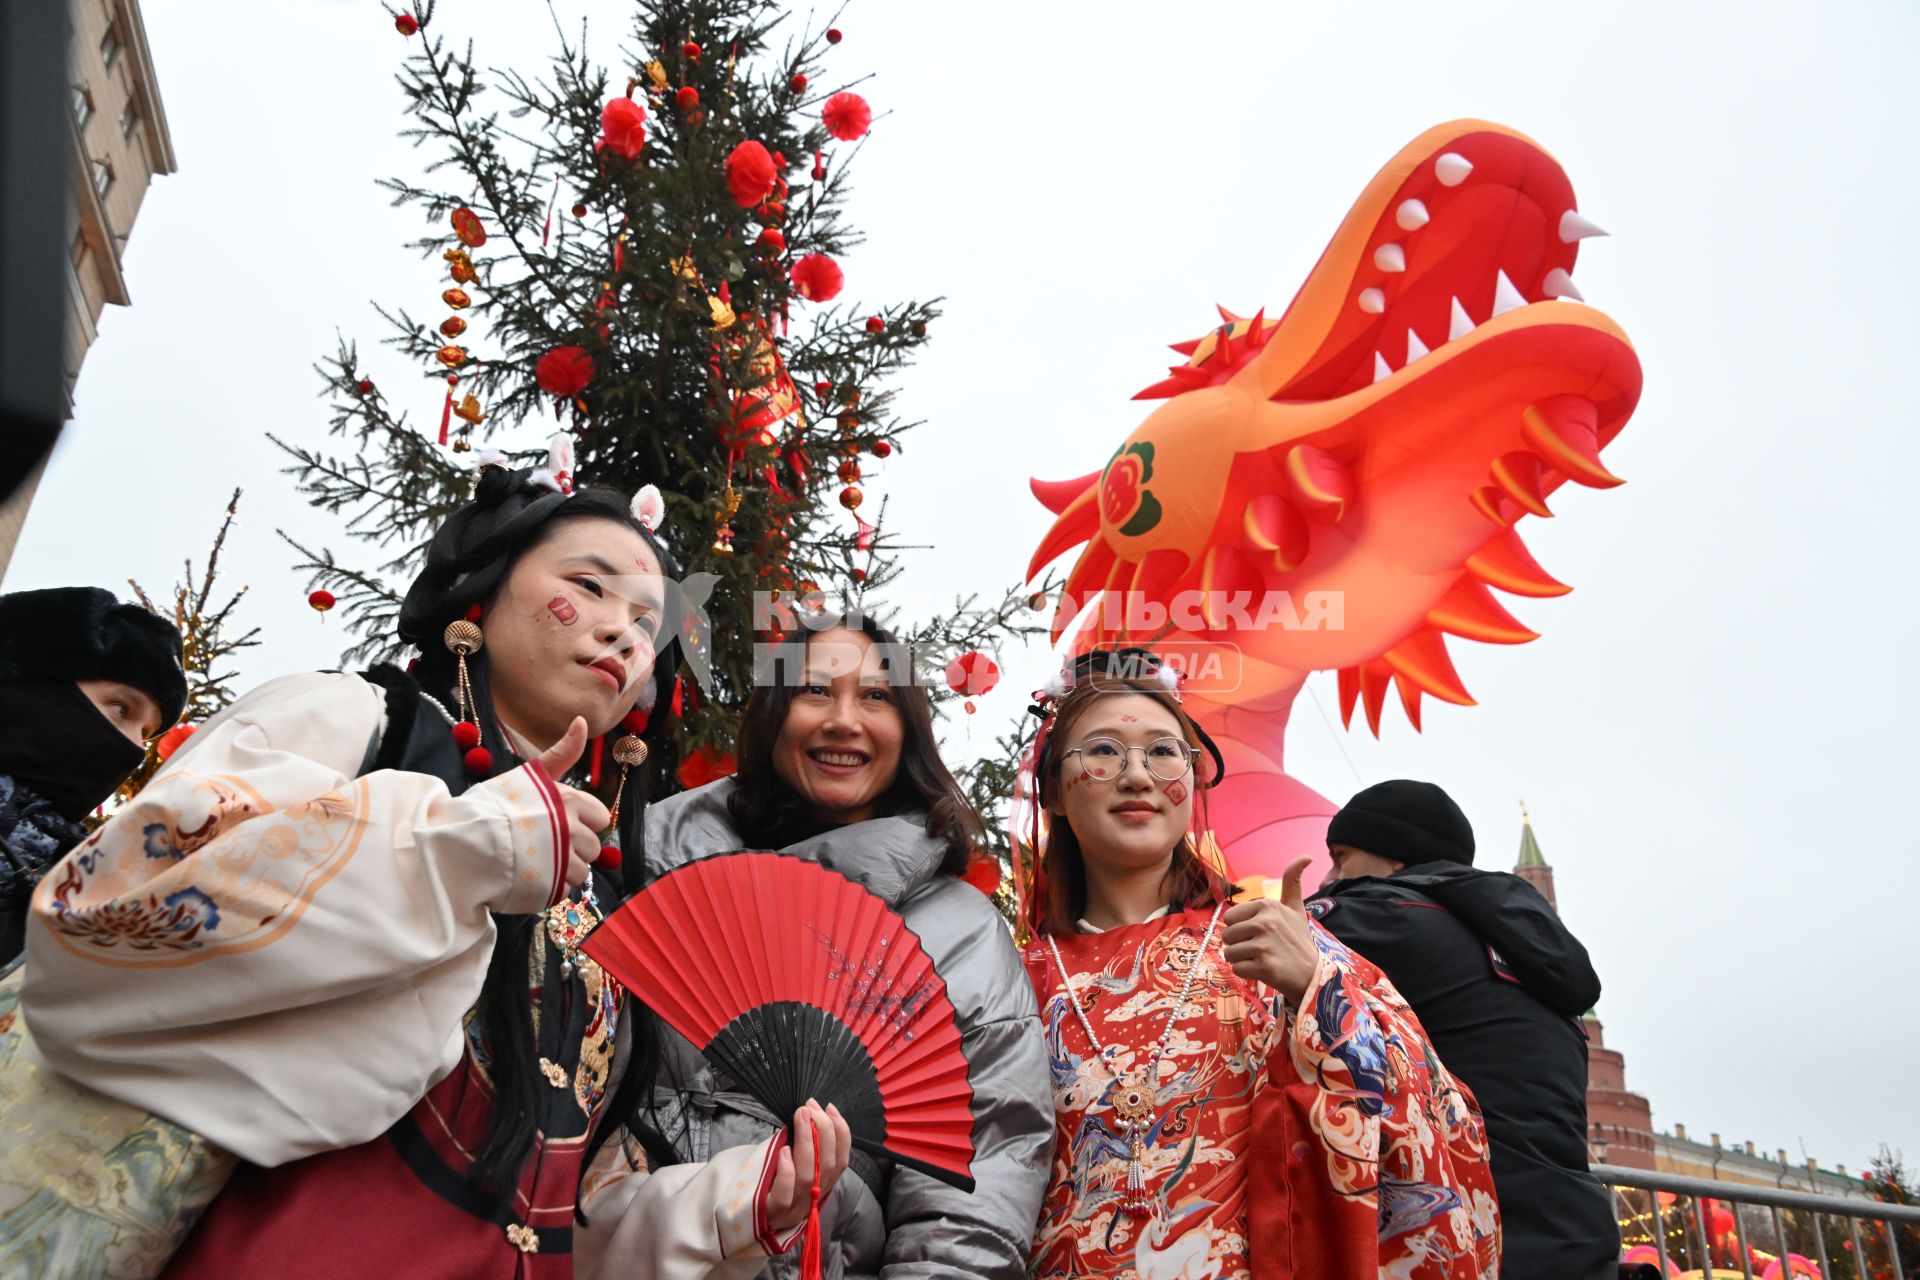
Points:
(1134, 1103)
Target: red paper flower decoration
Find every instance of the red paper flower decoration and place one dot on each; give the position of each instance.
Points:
(818, 278)
(623, 127)
(750, 174)
(983, 873)
(466, 225)
(320, 601)
(847, 116)
(704, 765)
(564, 371)
(973, 673)
(406, 25)
(170, 740)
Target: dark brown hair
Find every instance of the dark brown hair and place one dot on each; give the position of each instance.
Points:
(768, 812)
(1188, 883)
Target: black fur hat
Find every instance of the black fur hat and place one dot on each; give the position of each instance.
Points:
(85, 633)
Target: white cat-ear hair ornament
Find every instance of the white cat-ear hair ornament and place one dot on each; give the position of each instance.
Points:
(649, 508)
(557, 475)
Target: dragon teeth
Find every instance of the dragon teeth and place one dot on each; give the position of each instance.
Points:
(1411, 215)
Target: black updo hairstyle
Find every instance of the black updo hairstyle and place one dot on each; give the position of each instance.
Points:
(468, 562)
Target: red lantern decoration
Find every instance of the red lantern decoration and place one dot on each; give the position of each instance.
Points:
(798, 83)
(691, 49)
(564, 371)
(580, 209)
(882, 449)
(320, 601)
(170, 740)
(364, 386)
(406, 24)
(818, 278)
(686, 97)
(458, 299)
(876, 325)
(772, 240)
(851, 497)
(750, 174)
(623, 130)
(775, 399)
(466, 225)
(833, 35)
(973, 673)
(847, 116)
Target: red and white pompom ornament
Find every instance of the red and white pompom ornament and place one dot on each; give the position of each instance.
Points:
(973, 673)
(750, 173)
(320, 601)
(623, 130)
(478, 762)
(564, 371)
(847, 116)
(466, 735)
(818, 278)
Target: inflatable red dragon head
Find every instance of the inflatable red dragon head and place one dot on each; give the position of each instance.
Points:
(1367, 457)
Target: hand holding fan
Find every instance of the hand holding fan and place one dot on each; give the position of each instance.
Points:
(800, 984)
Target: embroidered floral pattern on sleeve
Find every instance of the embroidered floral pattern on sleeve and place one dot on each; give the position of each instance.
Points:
(131, 896)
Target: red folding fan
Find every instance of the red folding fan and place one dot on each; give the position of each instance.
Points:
(799, 983)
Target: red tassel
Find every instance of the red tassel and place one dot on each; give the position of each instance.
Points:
(446, 415)
(594, 754)
(810, 1262)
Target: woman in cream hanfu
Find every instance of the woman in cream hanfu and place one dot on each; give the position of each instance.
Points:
(1237, 1095)
(335, 941)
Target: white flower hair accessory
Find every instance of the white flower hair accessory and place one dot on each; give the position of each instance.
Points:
(649, 508)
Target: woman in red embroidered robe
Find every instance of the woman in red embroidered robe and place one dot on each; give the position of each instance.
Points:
(335, 940)
(1237, 1095)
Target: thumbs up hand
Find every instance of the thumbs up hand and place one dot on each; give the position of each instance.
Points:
(586, 816)
(1268, 940)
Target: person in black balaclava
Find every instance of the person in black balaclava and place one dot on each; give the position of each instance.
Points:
(1499, 983)
(84, 681)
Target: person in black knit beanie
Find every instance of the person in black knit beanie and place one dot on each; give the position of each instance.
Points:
(85, 680)
(1500, 985)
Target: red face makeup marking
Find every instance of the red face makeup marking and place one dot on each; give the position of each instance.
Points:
(1177, 791)
(1130, 719)
(562, 608)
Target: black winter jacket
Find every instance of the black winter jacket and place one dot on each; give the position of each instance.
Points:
(1499, 984)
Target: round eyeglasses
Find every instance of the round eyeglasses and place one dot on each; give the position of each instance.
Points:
(1105, 759)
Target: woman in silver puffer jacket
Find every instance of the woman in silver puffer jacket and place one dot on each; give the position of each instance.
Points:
(837, 764)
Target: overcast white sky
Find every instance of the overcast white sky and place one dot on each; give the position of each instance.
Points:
(1713, 734)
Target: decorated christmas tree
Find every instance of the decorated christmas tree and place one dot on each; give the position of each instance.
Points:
(208, 644)
(648, 255)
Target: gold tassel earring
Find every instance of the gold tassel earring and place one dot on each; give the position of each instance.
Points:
(629, 752)
(463, 639)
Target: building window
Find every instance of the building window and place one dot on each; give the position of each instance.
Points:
(102, 177)
(82, 105)
(110, 47)
(129, 118)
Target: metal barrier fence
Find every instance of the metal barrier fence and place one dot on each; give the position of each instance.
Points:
(1707, 1230)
